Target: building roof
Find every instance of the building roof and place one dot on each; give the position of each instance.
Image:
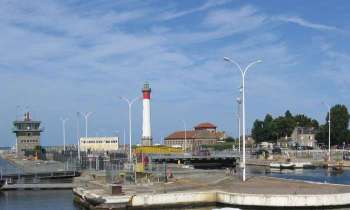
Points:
(305, 130)
(205, 125)
(196, 134)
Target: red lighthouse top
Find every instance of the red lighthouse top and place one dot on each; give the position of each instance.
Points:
(146, 90)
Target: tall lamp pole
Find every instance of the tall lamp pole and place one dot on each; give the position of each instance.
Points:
(86, 116)
(129, 102)
(329, 130)
(239, 101)
(78, 133)
(183, 121)
(243, 72)
(117, 135)
(64, 120)
(124, 139)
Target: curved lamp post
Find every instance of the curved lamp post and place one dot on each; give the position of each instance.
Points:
(86, 116)
(243, 72)
(129, 102)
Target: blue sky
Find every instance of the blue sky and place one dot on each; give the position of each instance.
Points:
(60, 57)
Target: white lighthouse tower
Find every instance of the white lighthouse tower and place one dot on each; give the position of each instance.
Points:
(146, 124)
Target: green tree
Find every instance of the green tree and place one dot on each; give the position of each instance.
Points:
(229, 139)
(304, 121)
(284, 126)
(288, 114)
(339, 126)
(258, 131)
(269, 129)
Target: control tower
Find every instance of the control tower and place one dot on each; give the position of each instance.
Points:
(27, 133)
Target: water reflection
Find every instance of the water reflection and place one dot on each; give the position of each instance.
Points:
(316, 175)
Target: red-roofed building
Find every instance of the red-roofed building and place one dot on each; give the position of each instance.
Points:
(192, 140)
(205, 126)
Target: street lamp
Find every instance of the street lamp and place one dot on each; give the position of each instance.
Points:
(116, 132)
(239, 101)
(243, 72)
(329, 129)
(129, 102)
(124, 139)
(183, 121)
(64, 120)
(86, 116)
(78, 133)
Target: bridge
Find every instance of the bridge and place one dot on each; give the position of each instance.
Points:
(218, 160)
(37, 177)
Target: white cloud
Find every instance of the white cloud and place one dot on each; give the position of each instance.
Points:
(226, 17)
(209, 4)
(222, 23)
(304, 23)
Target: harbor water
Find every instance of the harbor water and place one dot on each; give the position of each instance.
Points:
(313, 175)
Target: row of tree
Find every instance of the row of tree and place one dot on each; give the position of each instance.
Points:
(271, 129)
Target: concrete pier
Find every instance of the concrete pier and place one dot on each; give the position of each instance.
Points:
(210, 188)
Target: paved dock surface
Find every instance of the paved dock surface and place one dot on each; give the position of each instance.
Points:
(196, 179)
(34, 166)
(202, 186)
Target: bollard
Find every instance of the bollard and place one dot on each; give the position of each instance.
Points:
(114, 189)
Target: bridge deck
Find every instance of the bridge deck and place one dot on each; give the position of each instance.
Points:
(39, 186)
(191, 157)
(43, 175)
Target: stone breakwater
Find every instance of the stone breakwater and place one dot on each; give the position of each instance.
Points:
(146, 201)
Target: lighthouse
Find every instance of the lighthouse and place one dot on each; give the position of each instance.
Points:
(146, 124)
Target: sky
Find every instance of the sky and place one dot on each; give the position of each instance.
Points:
(61, 57)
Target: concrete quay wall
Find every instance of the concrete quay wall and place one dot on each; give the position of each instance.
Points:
(241, 199)
(341, 199)
(140, 201)
(173, 199)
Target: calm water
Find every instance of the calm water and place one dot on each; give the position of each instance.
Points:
(62, 199)
(37, 200)
(315, 175)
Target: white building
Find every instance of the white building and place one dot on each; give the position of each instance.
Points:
(304, 136)
(99, 144)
